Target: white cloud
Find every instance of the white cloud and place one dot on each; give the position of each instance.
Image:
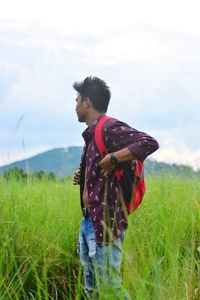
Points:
(127, 47)
(94, 16)
(179, 154)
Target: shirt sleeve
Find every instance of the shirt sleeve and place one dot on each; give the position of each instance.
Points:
(118, 135)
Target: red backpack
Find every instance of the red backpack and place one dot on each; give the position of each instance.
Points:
(130, 179)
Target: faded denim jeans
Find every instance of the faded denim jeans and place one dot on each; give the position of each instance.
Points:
(101, 264)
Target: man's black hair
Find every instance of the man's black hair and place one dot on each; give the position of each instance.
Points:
(96, 90)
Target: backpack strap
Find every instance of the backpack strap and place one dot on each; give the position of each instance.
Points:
(98, 135)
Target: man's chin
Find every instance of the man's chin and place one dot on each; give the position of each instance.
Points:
(81, 120)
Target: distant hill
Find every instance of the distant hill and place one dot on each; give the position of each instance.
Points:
(64, 161)
(61, 161)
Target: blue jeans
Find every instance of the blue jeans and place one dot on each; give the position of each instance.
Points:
(101, 264)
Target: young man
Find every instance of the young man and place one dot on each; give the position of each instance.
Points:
(105, 216)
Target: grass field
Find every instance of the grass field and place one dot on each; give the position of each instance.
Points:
(39, 224)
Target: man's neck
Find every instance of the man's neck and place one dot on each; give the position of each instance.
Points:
(91, 119)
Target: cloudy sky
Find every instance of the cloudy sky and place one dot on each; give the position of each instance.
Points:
(147, 51)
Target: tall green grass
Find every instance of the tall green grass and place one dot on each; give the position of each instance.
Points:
(39, 225)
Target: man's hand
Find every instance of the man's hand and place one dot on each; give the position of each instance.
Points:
(106, 166)
(121, 156)
(76, 178)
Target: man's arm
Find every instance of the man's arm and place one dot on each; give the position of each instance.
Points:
(126, 144)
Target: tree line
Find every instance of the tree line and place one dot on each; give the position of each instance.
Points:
(19, 174)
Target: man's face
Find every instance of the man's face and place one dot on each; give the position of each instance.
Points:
(80, 109)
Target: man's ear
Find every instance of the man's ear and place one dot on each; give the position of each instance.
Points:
(87, 102)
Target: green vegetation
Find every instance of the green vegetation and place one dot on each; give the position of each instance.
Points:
(16, 174)
(39, 229)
